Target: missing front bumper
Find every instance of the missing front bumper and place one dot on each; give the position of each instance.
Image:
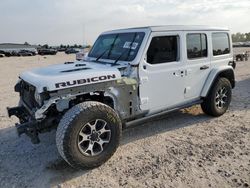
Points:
(29, 128)
(24, 127)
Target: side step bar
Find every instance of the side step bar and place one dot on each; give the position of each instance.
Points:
(146, 118)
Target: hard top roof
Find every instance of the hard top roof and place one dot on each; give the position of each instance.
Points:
(174, 28)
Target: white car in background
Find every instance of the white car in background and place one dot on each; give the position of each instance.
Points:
(82, 54)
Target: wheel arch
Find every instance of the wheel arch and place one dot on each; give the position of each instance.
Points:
(225, 72)
(121, 95)
(97, 96)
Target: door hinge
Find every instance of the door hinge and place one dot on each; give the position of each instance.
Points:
(143, 80)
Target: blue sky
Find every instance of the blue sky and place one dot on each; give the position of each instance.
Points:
(77, 21)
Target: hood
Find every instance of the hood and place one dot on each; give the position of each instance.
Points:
(70, 74)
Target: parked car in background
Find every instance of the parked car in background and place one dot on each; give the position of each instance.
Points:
(241, 44)
(242, 56)
(34, 52)
(72, 51)
(80, 55)
(2, 54)
(61, 49)
(6, 53)
(47, 51)
(25, 53)
(15, 53)
(19, 52)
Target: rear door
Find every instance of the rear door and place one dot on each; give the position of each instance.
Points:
(162, 72)
(198, 62)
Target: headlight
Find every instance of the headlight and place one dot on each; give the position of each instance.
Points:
(38, 98)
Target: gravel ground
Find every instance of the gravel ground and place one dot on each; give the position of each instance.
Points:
(182, 149)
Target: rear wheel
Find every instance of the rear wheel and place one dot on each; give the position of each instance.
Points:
(88, 134)
(218, 99)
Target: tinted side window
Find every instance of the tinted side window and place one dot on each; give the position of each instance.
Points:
(220, 43)
(163, 49)
(196, 45)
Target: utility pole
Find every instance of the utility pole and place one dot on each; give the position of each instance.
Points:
(84, 35)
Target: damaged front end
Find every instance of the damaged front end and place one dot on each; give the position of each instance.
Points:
(42, 114)
(28, 127)
(29, 124)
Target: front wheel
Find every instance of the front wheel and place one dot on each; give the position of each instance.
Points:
(88, 134)
(218, 99)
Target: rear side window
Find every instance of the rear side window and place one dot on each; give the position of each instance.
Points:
(196, 45)
(220, 43)
(163, 49)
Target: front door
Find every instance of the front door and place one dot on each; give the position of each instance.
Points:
(162, 73)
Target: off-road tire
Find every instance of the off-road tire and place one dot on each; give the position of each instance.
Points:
(70, 126)
(209, 104)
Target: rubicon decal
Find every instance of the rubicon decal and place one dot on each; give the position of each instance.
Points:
(85, 80)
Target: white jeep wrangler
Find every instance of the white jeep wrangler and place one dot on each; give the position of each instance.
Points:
(129, 75)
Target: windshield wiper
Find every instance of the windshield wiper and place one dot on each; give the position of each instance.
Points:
(115, 62)
(112, 45)
(108, 50)
(102, 54)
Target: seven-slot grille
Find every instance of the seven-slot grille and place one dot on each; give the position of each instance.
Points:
(28, 94)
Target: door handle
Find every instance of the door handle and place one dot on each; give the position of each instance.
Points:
(182, 73)
(204, 67)
(179, 73)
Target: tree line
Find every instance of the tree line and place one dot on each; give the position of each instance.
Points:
(241, 37)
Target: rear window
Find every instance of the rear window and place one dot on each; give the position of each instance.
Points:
(196, 45)
(220, 43)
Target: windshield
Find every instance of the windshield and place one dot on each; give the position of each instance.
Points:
(122, 46)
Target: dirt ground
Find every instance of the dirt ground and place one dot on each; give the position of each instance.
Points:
(183, 149)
